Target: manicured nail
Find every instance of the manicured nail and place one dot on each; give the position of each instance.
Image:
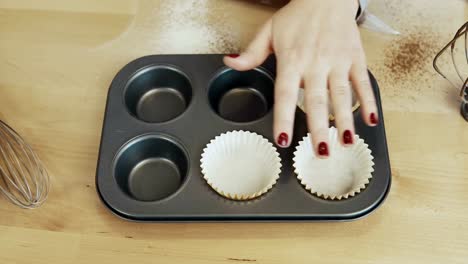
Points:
(283, 140)
(373, 119)
(233, 56)
(348, 137)
(323, 149)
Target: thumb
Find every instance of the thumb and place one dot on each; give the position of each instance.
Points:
(255, 54)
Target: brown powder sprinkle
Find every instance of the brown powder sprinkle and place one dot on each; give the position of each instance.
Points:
(406, 70)
(411, 54)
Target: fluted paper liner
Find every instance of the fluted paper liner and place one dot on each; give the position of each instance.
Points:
(240, 165)
(331, 115)
(344, 174)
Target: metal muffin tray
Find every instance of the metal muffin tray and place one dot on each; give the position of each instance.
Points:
(161, 113)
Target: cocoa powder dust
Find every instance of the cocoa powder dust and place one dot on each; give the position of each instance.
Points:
(410, 56)
(406, 70)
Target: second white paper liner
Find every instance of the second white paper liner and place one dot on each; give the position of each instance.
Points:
(331, 115)
(344, 174)
(240, 165)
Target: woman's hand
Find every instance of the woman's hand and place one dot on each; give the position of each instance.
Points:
(317, 44)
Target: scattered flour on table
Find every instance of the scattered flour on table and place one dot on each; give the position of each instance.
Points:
(189, 27)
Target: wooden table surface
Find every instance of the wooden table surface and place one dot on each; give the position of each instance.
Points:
(57, 59)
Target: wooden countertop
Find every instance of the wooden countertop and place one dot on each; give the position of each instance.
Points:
(56, 63)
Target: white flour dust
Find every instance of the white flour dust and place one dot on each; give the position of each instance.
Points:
(187, 28)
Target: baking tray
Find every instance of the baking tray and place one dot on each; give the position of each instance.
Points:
(162, 111)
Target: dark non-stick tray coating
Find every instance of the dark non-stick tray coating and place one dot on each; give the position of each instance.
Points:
(161, 113)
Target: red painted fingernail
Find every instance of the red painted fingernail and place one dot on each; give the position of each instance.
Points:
(283, 140)
(348, 137)
(373, 119)
(233, 56)
(323, 149)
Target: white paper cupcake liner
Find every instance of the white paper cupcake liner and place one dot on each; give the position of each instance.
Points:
(331, 116)
(240, 165)
(344, 174)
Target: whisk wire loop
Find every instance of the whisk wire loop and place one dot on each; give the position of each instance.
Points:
(23, 178)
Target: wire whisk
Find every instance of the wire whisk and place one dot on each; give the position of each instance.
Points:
(462, 81)
(23, 178)
(461, 35)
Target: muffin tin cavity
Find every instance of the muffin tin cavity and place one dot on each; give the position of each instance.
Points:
(151, 168)
(158, 94)
(241, 96)
(464, 110)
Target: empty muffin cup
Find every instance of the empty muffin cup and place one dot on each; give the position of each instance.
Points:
(151, 168)
(344, 174)
(242, 96)
(158, 94)
(240, 165)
